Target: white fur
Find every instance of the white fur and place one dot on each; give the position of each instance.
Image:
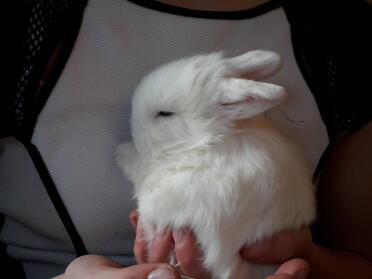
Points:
(232, 182)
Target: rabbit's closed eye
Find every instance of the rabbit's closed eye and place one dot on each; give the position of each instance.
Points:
(165, 113)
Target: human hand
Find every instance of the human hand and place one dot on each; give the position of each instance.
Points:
(182, 243)
(283, 248)
(292, 269)
(100, 267)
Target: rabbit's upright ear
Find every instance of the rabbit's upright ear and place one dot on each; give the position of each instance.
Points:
(242, 98)
(256, 64)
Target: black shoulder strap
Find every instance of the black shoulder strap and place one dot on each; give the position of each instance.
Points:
(332, 42)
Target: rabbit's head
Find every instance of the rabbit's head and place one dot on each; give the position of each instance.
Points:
(191, 103)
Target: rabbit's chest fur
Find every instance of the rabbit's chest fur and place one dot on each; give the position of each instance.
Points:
(248, 186)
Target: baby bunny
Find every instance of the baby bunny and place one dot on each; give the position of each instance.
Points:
(197, 164)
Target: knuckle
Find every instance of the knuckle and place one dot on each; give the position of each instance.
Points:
(187, 263)
(77, 263)
(84, 265)
(188, 256)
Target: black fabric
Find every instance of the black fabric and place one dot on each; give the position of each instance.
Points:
(14, 23)
(332, 42)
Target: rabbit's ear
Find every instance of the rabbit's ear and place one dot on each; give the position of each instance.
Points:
(257, 64)
(242, 98)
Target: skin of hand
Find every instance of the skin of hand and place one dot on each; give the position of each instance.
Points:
(188, 255)
(100, 267)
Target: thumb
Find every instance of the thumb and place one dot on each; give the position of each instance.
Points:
(149, 271)
(99, 267)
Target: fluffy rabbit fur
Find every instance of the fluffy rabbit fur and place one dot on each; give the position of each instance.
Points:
(195, 163)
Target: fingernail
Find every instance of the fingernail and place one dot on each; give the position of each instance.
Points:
(162, 273)
(140, 233)
(179, 237)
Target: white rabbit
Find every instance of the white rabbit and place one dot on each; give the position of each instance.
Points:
(195, 163)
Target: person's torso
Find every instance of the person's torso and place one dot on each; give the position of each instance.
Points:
(87, 116)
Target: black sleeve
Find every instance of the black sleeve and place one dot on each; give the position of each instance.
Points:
(38, 39)
(332, 42)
